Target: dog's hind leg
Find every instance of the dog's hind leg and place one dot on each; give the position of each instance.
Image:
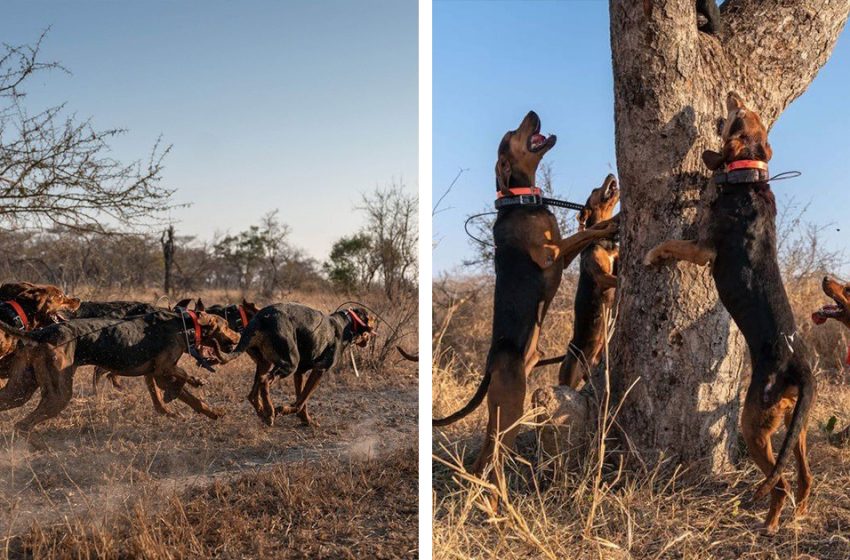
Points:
(757, 425)
(20, 387)
(199, 405)
(156, 397)
(56, 392)
(804, 475)
(505, 401)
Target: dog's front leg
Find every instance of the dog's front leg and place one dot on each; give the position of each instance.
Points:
(570, 247)
(301, 401)
(676, 249)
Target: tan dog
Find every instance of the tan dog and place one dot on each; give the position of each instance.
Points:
(839, 311)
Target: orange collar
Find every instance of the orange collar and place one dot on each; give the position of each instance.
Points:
(520, 191)
(357, 320)
(21, 313)
(243, 315)
(746, 164)
(196, 327)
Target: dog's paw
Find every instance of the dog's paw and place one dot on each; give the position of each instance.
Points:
(195, 382)
(654, 257)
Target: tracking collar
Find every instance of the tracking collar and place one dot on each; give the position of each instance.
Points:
(520, 196)
(242, 321)
(193, 337)
(358, 322)
(20, 318)
(742, 172)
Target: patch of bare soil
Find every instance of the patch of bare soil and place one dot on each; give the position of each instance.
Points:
(107, 456)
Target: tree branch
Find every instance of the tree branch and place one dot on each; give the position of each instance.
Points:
(777, 47)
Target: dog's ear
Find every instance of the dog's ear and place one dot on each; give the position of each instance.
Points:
(503, 175)
(712, 159)
(583, 216)
(184, 303)
(199, 306)
(764, 152)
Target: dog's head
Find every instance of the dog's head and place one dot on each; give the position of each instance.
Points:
(600, 204)
(520, 152)
(215, 332)
(744, 136)
(362, 329)
(43, 301)
(840, 310)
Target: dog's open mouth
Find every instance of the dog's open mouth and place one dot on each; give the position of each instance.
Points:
(836, 310)
(830, 311)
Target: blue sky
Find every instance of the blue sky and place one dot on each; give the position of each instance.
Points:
(493, 61)
(299, 106)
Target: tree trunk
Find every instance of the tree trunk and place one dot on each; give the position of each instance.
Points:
(673, 338)
(167, 241)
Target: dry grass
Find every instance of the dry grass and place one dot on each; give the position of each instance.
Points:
(621, 511)
(116, 480)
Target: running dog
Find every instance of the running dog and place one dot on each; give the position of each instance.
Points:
(29, 306)
(530, 257)
(738, 240)
(293, 339)
(596, 284)
(149, 344)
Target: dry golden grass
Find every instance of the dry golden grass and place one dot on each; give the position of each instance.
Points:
(621, 511)
(116, 480)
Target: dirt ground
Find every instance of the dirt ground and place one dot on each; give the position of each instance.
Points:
(105, 452)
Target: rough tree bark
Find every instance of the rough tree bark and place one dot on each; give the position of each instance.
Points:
(670, 82)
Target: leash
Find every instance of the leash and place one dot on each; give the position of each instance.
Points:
(521, 196)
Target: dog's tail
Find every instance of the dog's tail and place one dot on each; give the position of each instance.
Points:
(407, 355)
(499, 354)
(805, 398)
(470, 406)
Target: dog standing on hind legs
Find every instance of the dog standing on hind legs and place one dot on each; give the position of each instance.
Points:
(596, 285)
(530, 257)
(738, 240)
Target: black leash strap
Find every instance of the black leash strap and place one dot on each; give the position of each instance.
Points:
(563, 204)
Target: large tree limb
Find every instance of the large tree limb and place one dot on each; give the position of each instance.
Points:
(777, 47)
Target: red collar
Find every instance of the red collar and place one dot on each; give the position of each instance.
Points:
(746, 164)
(21, 313)
(196, 326)
(520, 191)
(357, 320)
(847, 359)
(243, 315)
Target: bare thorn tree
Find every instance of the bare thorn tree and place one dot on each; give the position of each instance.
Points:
(54, 169)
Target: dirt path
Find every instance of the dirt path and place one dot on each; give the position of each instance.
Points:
(104, 452)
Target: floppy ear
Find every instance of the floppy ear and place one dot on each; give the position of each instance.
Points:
(184, 303)
(583, 216)
(244, 302)
(712, 159)
(199, 305)
(503, 175)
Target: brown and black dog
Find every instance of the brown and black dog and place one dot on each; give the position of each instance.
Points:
(840, 311)
(530, 257)
(293, 339)
(596, 284)
(738, 239)
(30, 306)
(149, 344)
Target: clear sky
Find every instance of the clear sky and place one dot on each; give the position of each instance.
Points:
(493, 61)
(295, 105)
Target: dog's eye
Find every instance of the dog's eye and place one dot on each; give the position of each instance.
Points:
(721, 122)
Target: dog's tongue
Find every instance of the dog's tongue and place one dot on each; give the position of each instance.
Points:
(818, 318)
(538, 139)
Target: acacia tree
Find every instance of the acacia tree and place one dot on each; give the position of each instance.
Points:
(674, 339)
(55, 170)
